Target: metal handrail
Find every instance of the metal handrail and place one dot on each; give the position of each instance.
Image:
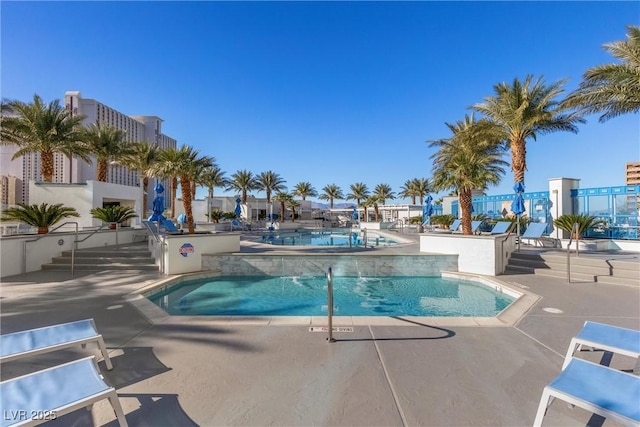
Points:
(502, 247)
(574, 229)
(24, 245)
(330, 304)
(161, 242)
(100, 228)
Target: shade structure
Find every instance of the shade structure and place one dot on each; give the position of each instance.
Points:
(517, 207)
(427, 210)
(238, 209)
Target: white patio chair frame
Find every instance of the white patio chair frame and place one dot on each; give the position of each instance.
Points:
(35, 349)
(31, 416)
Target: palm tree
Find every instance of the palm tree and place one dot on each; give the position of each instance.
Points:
(283, 198)
(523, 110)
(187, 163)
(371, 201)
(383, 192)
(331, 192)
(408, 190)
(141, 158)
(422, 187)
(470, 159)
(612, 89)
(212, 177)
(42, 128)
(242, 181)
(270, 181)
(166, 168)
(304, 190)
(359, 192)
(42, 216)
(108, 144)
(292, 204)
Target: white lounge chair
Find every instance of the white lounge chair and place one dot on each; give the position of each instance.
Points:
(50, 338)
(604, 391)
(535, 231)
(501, 227)
(608, 338)
(38, 397)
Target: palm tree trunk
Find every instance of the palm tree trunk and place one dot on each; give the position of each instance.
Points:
(174, 190)
(193, 191)
(101, 174)
(366, 214)
(293, 214)
(518, 159)
(185, 186)
(375, 209)
(282, 210)
(145, 184)
(465, 207)
(244, 196)
(46, 157)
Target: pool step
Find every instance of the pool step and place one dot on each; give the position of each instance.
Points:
(619, 270)
(132, 256)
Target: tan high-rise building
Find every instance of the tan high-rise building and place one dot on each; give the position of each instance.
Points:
(11, 190)
(137, 128)
(633, 173)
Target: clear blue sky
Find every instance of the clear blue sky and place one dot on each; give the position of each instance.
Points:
(305, 88)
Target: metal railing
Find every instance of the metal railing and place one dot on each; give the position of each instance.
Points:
(574, 231)
(330, 305)
(155, 233)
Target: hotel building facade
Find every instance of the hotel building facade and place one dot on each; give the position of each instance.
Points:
(17, 173)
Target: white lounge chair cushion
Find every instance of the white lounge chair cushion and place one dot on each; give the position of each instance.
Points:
(599, 387)
(57, 390)
(610, 337)
(50, 336)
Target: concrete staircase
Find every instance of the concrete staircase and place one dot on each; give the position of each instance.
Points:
(131, 256)
(617, 269)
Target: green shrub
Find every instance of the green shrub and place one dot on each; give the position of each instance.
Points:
(216, 215)
(114, 213)
(42, 216)
(443, 220)
(585, 222)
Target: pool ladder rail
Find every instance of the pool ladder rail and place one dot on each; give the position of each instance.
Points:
(330, 305)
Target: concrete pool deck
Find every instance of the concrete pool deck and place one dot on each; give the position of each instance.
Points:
(191, 371)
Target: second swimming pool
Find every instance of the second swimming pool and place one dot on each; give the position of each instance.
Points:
(353, 296)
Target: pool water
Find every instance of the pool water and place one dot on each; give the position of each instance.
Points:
(353, 296)
(324, 238)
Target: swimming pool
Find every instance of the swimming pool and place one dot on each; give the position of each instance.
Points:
(326, 238)
(353, 296)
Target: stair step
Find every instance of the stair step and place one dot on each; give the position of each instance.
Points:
(87, 260)
(621, 270)
(590, 278)
(102, 267)
(108, 254)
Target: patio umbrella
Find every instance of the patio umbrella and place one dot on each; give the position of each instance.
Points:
(517, 207)
(427, 210)
(355, 213)
(158, 204)
(182, 218)
(238, 209)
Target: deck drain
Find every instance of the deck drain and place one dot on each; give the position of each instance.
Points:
(115, 307)
(552, 310)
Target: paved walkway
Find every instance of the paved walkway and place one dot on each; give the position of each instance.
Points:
(188, 371)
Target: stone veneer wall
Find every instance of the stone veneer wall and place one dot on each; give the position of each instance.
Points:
(318, 264)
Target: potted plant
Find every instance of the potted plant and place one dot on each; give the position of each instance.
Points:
(216, 215)
(42, 216)
(113, 214)
(585, 222)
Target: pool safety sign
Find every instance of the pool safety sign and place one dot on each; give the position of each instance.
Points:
(334, 329)
(186, 250)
